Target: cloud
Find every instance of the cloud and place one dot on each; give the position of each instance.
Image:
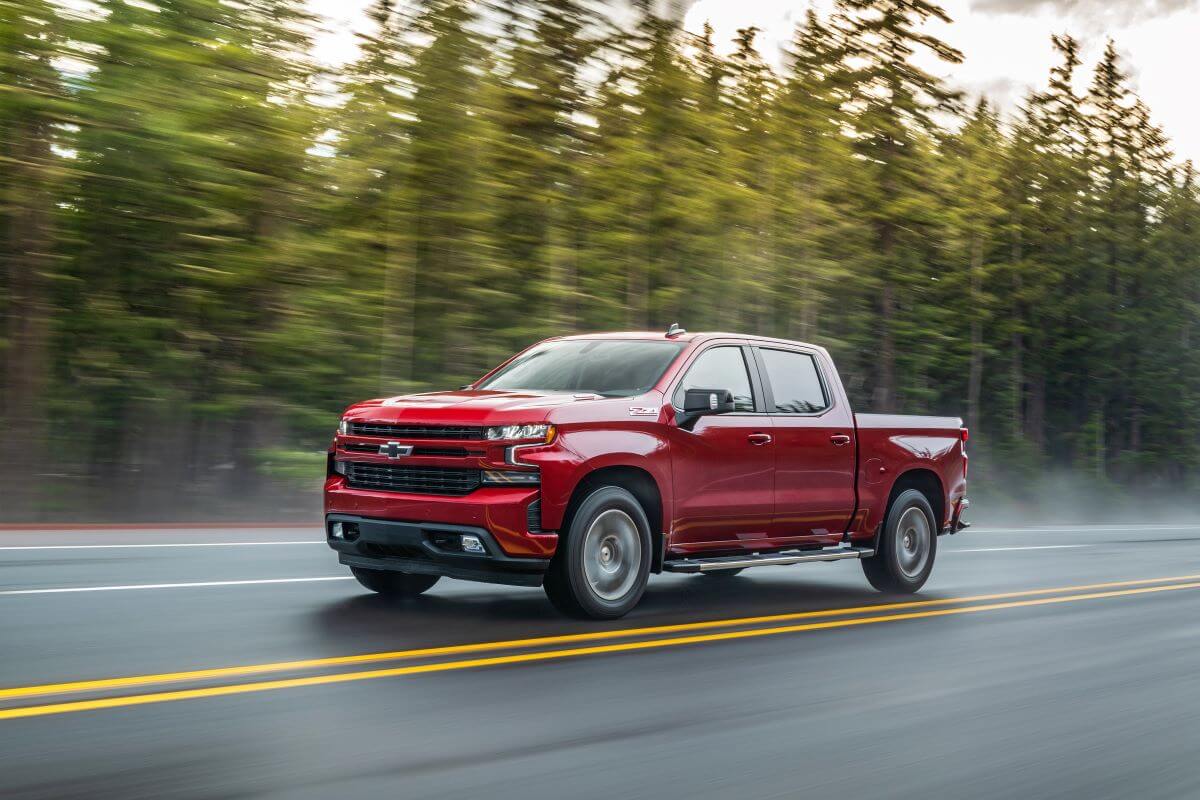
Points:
(1099, 14)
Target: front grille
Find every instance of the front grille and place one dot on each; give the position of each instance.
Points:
(391, 551)
(416, 431)
(414, 480)
(448, 452)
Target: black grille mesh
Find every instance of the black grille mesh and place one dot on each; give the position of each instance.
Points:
(415, 480)
(416, 431)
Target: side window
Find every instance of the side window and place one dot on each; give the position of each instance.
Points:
(720, 368)
(795, 383)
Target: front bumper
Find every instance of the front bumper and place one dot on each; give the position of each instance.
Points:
(422, 548)
(504, 512)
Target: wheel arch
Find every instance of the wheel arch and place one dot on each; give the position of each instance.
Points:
(639, 482)
(928, 483)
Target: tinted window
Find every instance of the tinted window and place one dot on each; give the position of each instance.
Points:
(610, 367)
(720, 368)
(795, 384)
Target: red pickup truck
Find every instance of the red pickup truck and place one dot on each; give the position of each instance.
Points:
(585, 463)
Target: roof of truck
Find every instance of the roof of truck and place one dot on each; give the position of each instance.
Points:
(683, 337)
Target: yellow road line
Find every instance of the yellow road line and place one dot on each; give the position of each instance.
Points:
(520, 658)
(102, 684)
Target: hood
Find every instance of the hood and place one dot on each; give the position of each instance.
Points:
(466, 407)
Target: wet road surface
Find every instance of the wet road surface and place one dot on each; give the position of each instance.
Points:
(1052, 662)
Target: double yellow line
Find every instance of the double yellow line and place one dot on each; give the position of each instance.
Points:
(645, 638)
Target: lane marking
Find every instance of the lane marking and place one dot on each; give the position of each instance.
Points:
(74, 589)
(156, 544)
(1031, 547)
(1089, 529)
(153, 527)
(543, 641)
(521, 658)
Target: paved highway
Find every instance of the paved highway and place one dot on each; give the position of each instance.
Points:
(1047, 663)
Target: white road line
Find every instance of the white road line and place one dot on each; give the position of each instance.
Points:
(1090, 529)
(73, 589)
(1032, 547)
(155, 544)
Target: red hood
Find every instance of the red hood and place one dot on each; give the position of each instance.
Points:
(466, 407)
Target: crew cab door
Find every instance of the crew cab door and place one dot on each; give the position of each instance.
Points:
(723, 468)
(814, 445)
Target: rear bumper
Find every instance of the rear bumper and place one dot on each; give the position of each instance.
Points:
(421, 548)
(957, 523)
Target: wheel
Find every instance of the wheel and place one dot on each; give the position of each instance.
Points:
(905, 547)
(722, 573)
(394, 584)
(601, 568)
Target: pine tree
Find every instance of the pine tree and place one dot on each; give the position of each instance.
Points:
(976, 166)
(895, 123)
(813, 164)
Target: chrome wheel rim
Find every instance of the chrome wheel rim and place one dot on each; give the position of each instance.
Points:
(912, 542)
(612, 554)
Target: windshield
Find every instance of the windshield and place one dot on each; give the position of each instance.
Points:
(609, 367)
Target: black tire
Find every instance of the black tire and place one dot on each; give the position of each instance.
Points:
(618, 579)
(896, 566)
(722, 573)
(394, 584)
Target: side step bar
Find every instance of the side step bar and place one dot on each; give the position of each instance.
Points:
(765, 559)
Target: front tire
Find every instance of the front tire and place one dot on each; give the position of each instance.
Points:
(601, 568)
(905, 547)
(394, 584)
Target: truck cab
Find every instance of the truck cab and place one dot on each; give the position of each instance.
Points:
(587, 463)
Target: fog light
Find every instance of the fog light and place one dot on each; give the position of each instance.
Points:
(511, 477)
(471, 544)
(335, 530)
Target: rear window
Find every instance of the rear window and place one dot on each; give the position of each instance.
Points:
(795, 383)
(609, 367)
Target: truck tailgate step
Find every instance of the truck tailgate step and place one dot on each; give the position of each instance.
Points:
(765, 559)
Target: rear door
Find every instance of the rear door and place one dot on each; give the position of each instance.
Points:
(814, 446)
(723, 467)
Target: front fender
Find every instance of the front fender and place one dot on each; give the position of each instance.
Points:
(578, 453)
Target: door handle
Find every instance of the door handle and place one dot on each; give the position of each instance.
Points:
(759, 438)
(840, 439)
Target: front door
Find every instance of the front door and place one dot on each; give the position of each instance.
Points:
(814, 448)
(723, 467)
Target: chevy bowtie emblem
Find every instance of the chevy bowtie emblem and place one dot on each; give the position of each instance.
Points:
(395, 450)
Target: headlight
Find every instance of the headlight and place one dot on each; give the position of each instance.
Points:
(517, 433)
(344, 427)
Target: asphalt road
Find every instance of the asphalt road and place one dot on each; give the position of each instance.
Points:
(1036, 663)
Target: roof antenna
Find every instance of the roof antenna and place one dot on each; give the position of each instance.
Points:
(675, 330)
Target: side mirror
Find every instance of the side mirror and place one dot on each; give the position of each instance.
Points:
(699, 403)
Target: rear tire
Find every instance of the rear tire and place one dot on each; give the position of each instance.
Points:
(905, 547)
(394, 584)
(602, 565)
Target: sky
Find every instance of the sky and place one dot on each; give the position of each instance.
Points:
(1006, 44)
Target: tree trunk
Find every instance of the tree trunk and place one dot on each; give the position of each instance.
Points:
(1018, 344)
(885, 388)
(975, 370)
(22, 447)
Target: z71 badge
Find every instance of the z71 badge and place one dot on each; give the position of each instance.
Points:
(643, 411)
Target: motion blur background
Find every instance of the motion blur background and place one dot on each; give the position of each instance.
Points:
(213, 239)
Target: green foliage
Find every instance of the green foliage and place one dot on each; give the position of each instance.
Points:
(211, 244)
